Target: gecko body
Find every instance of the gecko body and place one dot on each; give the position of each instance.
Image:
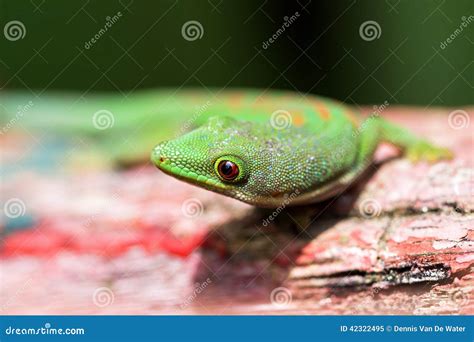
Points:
(264, 149)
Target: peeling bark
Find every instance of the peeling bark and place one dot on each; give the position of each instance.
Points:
(412, 226)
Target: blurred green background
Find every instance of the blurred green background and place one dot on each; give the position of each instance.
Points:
(320, 52)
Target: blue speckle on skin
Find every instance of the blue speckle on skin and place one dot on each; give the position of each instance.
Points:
(46, 157)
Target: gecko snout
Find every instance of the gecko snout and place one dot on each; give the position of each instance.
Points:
(157, 155)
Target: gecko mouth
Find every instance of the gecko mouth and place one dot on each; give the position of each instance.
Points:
(169, 167)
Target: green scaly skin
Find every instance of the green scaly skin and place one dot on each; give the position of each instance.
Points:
(325, 148)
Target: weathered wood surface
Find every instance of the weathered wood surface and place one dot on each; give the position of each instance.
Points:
(140, 242)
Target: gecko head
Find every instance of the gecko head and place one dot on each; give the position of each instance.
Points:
(239, 159)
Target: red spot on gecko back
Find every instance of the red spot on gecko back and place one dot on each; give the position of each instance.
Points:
(235, 100)
(298, 119)
(323, 111)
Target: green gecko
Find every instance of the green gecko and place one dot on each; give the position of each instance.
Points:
(264, 149)
(260, 147)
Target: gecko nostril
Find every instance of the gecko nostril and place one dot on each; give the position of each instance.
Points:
(157, 155)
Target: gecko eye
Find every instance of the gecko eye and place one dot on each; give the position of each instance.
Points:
(228, 170)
